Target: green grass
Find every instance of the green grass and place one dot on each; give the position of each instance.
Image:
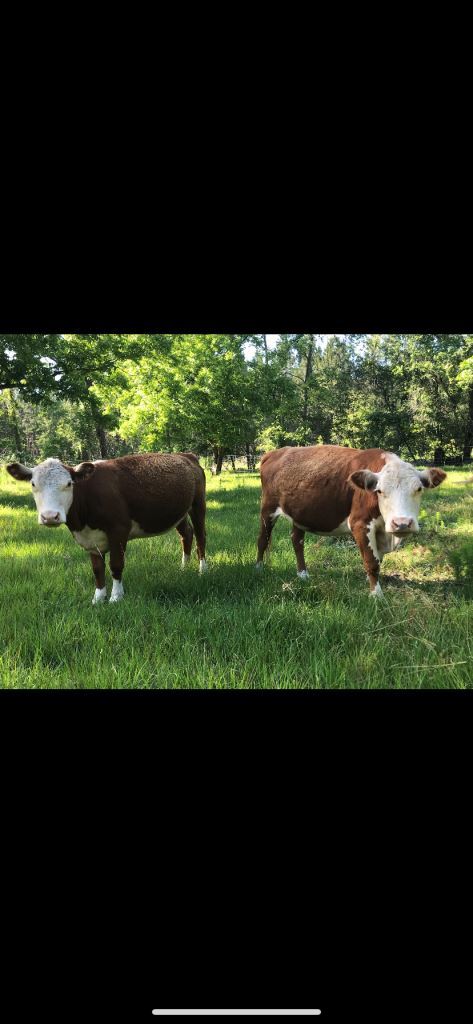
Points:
(233, 627)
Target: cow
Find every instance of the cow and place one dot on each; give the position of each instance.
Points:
(326, 489)
(111, 501)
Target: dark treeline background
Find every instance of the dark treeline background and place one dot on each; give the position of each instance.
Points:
(231, 397)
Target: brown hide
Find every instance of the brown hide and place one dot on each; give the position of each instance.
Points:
(155, 490)
(311, 485)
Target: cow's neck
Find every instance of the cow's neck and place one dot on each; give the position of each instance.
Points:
(77, 515)
(365, 506)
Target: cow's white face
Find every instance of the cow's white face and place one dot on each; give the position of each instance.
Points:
(52, 486)
(398, 487)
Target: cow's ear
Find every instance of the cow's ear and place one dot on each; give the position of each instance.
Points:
(18, 471)
(364, 479)
(82, 471)
(432, 477)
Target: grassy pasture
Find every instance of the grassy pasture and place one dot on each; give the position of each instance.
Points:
(233, 627)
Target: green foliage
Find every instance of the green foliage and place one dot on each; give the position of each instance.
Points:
(25, 361)
(461, 560)
(431, 520)
(108, 393)
(198, 391)
(58, 428)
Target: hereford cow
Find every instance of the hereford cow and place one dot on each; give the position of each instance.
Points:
(109, 502)
(327, 489)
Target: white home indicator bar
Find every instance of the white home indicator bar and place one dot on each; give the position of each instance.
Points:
(238, 1013)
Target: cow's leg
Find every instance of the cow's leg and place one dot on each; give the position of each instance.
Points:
(197, 514)
(298, 537)
(98, 566)
(266, 529)
(117, 561)
(186, 534)
(365, 538)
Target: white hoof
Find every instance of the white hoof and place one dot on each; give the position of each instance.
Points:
(259, 566)
(203, 565)
(185, 560)
(304, 575)
(99, 596)
(377, 592)
(117, 591)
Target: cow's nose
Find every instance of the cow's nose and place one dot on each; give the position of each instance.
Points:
(50, 518)
(401, 523)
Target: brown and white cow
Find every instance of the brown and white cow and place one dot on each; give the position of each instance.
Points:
(330, 490)
(109, 502)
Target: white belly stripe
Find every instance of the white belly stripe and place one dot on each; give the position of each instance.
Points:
(340, 531)
(97, 540)
(92, 540)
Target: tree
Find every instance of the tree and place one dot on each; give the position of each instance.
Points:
(194, 392)
(89, 395)
(25, 362)
(83, 363)
(48, 367)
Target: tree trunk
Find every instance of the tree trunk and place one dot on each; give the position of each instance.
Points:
(99, 429)
(13, 417)
(102, 439)
(232, 460)
(97, 420)
(218, 460)
(308, 373)
(468, 436)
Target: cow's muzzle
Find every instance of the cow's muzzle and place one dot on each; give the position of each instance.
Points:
(401, 525)
(51, 518)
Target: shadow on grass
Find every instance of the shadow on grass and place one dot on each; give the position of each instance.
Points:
(23, 501)
(448, 588)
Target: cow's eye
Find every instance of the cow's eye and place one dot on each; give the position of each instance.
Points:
(419, 489)
(32, 484)
(69, 484)
(379, 492)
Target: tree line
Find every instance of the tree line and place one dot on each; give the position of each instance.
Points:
(228, 396)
